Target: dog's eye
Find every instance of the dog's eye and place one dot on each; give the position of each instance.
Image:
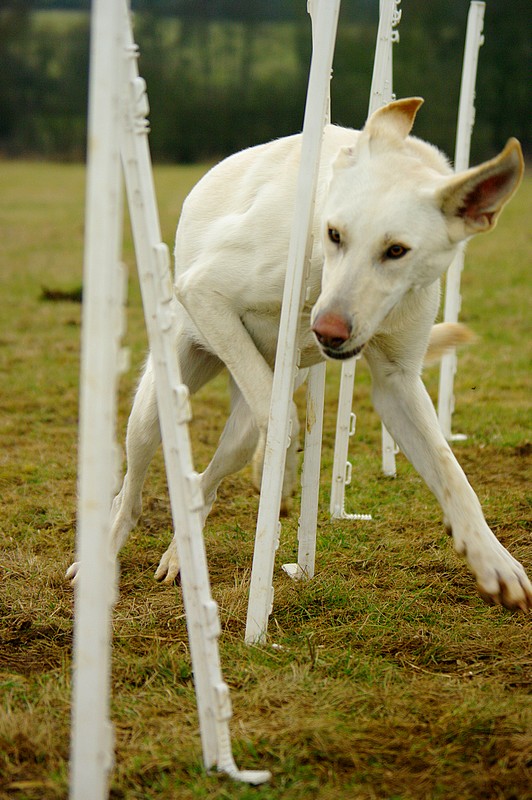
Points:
(334, 235)
(396, 251)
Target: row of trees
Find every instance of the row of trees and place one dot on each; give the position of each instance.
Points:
(224, 74)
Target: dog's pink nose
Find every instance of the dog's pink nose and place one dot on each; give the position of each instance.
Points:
(332, 330)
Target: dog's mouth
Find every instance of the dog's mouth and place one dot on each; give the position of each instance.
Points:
(342, 355)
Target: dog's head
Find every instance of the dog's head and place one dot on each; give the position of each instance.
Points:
(394, 217)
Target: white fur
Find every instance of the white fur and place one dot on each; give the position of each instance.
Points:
(377, 188)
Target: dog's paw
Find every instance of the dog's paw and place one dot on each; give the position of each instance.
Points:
(501, 579)
(169, 566)
(72, 573)
(512, 590)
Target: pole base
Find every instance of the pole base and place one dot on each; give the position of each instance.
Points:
(295, 572)
(341, 514)
(254, 777)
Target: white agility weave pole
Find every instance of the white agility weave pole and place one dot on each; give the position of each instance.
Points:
(381, 93)
(346, 419)
(92, 734)
(382, 77)
(268, 526)
(310, 477)
(118, 128)
(310, 473)
(466, 119)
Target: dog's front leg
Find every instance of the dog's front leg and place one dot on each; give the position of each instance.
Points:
(216, 312)
(407, 411)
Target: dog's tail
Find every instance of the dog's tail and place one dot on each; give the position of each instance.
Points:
(444, 337)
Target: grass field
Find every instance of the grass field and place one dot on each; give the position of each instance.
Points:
(393, 679)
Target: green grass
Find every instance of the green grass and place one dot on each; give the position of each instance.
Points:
(392, 680)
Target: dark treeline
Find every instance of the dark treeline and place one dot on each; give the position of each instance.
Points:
(225, 74)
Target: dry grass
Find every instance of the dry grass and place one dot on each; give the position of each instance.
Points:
(393, 679)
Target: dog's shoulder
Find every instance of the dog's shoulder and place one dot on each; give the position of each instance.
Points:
(237, 179)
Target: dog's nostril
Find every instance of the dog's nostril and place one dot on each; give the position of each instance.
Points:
(334, 342)
(331, 330)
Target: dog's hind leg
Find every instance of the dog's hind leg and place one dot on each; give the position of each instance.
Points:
(235, 449)
(142, 440)
(291, 467)
(292, 460)
(197, 367)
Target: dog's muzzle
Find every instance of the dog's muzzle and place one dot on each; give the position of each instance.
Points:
(332, 332)
(342, 355)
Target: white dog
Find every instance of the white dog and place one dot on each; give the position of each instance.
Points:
(390, 215)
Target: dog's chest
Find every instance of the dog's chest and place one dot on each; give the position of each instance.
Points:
(262, 321)
(263, 328)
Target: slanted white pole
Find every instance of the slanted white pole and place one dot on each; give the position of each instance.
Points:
(385, 79)
(310, 473)
(381, 93)
(214, 705)
(267, 534)
(310, 477)
(466, 119)
(91, 735)
(345, 429)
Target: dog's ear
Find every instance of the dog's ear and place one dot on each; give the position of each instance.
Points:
(473, 200)
(394, 119)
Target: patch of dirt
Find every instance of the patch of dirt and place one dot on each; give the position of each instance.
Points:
(26, 648)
